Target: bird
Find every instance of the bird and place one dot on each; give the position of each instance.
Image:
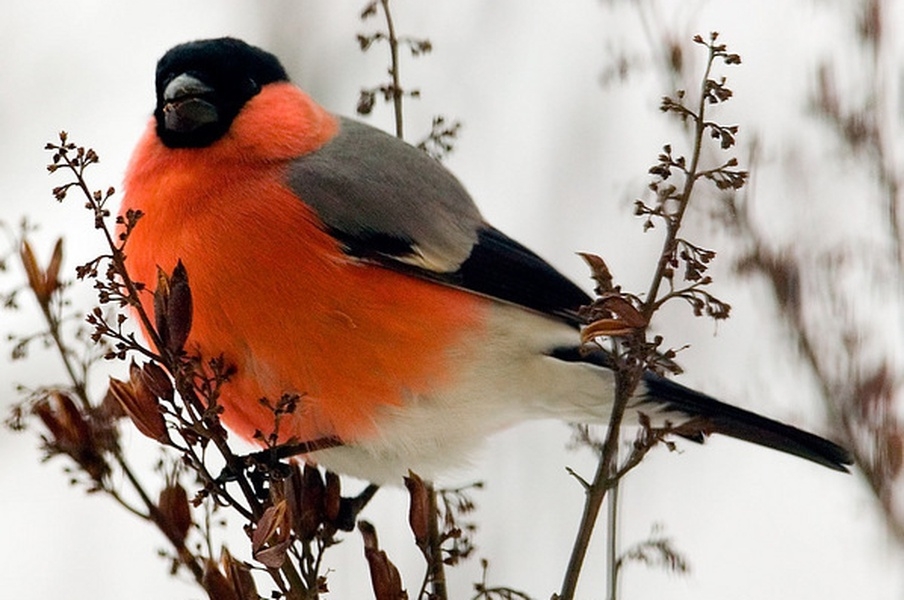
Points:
(332, 261)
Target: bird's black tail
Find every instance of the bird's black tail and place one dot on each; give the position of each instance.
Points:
(714, 416)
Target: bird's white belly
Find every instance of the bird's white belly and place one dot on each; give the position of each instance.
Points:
(503, 378)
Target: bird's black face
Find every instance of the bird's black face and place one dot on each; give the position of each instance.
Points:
(202, 86)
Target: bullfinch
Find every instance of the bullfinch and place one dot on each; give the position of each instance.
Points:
(333, 261)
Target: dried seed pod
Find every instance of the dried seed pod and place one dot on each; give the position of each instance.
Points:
(34, 272)
(384, 576)
(52, 274)
(179, 308)
(332, 498)
(173, 505)
(270, 540)
(311, 511)
(65, 421)
(216, 584)
(71, 432)
(142, 408)
(419, 514)
(238, 574)
(173, 308)
(157, 381)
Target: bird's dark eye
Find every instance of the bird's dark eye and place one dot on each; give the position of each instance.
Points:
(255, 88)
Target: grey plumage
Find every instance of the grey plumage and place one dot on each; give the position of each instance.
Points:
(380, 195)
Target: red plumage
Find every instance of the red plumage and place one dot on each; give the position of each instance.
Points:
(276, 294)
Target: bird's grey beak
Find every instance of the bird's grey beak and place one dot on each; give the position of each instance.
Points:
(185, 107)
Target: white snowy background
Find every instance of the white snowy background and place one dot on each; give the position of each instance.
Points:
(553, 158)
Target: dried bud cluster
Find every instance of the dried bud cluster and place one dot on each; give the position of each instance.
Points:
(617, 314)
(441, 139)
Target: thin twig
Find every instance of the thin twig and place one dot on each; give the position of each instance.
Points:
(612, 540)
(437, 566)
(629, 367)
(394, 71)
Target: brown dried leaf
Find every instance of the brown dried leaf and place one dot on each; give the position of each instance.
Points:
(65, 421)
(110, 408)
(141, 407)
(52, 274)
(268, 526)
(215, 583)
(155, 378)
(311, 511)
(50, 416)
(419, 514)
(894, 454)
(33, 271)
(384, 576)
(292, 492)
(605, 327)
(270, 540)
(173, 505)
(71, 432)
(624, 310)
(599, 271)
(273, 556)
(332, 498)
(623, 318)
(368, 535)
(179, 308)
(238, 574)
(161, 299)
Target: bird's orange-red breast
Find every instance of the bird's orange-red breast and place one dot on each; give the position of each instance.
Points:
(277, 296)
(330, 260)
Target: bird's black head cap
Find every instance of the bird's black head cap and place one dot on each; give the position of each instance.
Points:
(201, 87)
